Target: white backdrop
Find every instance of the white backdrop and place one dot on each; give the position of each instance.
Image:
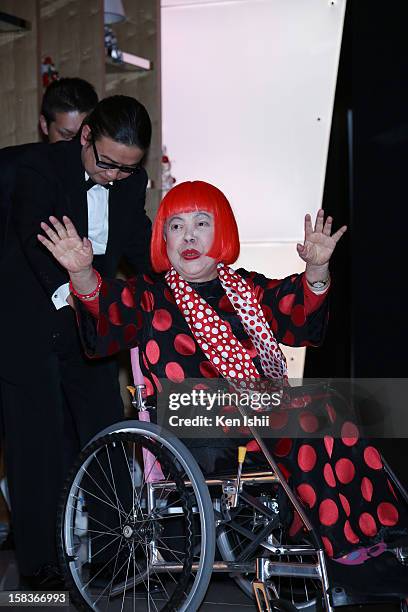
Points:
(247, 96)
(248, 89)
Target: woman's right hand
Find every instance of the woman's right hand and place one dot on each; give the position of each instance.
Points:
(72, 252)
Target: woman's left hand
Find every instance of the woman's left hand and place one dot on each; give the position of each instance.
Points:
(319, 244)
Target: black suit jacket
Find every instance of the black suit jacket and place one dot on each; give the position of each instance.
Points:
(50, 181)
(10, 158)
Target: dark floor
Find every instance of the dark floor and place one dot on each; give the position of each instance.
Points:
(223, 595)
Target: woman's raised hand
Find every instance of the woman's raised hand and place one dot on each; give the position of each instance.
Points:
(71, 251)
(319, 244)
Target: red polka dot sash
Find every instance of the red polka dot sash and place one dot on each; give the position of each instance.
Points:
(215, 337)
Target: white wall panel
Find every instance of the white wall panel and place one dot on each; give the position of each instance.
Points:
(247, 92)
(248, 89)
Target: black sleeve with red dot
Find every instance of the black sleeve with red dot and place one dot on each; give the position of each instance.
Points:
(339, 478)
(119, 321)
(143, 312)
(283, 303)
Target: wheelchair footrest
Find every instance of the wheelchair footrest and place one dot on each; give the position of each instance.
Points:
(265, 601)
(340, 597)
(378, 580)
(261, 596)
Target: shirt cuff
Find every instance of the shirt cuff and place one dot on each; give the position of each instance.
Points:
(59, 297)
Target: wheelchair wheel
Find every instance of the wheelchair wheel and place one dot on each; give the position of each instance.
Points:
(232, 543)
(136, 524)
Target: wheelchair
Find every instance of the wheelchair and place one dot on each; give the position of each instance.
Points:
(141, 528)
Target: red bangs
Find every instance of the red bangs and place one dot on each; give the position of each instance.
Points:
(188, 197)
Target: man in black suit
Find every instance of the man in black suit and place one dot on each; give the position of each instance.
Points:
(98, 182)
(64, 106)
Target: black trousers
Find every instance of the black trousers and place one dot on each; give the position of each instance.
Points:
(61, 403)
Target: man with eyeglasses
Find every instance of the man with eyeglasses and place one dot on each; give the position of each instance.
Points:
(65, 104)
(98, 181)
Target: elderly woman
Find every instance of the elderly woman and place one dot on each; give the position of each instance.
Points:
(203, 319)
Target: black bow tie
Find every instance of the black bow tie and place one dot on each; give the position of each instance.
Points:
(90, 183)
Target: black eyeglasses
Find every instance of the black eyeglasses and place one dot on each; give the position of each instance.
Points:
(111, 166)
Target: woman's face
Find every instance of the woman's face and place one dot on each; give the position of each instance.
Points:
(189, 237)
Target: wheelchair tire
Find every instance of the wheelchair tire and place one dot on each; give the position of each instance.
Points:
(124, 555)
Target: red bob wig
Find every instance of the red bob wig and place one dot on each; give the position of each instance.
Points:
(188, 197)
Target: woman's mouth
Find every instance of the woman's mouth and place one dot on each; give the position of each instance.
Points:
(190, 254)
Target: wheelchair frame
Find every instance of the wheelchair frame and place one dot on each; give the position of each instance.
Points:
(232, 487)
(262, 567)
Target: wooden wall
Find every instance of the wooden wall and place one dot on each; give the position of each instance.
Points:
(71, 32)
(19, 76)
(140, 35)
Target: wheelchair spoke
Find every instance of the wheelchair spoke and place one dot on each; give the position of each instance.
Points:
(126, 579)
(172, 551)
(113, 479)
(107, 503)
(132, 545)
(110, 584)
(247, 531)
(109, 530)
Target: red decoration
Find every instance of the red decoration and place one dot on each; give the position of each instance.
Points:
(48, 71)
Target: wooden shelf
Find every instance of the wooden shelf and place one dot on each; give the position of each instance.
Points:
(130, 63)
(11, 23)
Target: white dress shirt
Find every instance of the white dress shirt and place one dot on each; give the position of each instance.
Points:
(98, 230)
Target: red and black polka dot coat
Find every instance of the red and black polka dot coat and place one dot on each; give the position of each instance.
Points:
(339, 478)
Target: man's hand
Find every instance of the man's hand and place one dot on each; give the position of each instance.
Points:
(72, 252)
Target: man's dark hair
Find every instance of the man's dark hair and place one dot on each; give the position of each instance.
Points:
(123, 119)
(68, 95)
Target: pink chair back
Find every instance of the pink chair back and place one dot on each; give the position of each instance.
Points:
(152, 469)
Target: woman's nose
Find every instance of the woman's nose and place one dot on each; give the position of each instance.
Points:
(189, 235)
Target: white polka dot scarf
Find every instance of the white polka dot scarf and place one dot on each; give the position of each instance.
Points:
(215, 337)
